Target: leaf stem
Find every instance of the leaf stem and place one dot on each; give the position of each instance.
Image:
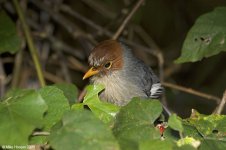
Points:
(192, 91)
(220, 107)
(30, 43)
(127, 19)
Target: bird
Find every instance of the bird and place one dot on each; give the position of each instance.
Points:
(124, 76)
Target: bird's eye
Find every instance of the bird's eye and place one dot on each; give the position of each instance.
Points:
(108, 65)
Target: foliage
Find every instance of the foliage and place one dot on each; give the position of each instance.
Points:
(81, 129)
(20, 114)
(104, 111)
(133, 127)
(9, 41)
(206, 38)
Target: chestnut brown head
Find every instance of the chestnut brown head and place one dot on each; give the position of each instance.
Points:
(106, 57)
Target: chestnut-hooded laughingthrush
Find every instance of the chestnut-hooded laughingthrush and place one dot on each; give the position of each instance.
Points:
(123, 75)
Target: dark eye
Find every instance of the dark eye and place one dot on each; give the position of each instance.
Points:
(107, 65)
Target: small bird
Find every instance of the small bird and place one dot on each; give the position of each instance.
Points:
(123, 75)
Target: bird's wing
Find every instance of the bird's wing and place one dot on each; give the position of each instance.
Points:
(156, 91)
(150, 82)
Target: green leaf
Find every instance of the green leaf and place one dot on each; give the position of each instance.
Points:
(189, 141)
(206, 38)
(175, 123)
(78, 106)
(163, 145)
(156, 145)
(135, 120)
(70, 91)
(19, 116)
(212, 126)
(191, 131)
(9, 41)
(212, 145)
(103, 110)
(92, 91)
(57, 105)
(82, 130)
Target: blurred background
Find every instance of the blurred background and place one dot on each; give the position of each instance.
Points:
(65, 31)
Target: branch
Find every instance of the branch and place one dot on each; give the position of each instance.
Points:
(92, 24)
(2, 79)
(17, 69)
(30, 43)
(127, 19)
(100, 8)
(191, 91)
(71, 27)
(53, 78)
(56, 43)
(75, 14)
(76, 64)
(220, 107)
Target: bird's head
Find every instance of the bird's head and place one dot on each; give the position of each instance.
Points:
(105, 58)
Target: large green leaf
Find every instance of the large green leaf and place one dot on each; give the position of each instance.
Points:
(105, 111)
(156, 145)
(135, 120)
(162, 145)
(70, 91)
(213, 145)
(206, 38)
(82, 130)
(57, 105)
(175, 123)
(9, 41)
(19, 115)
(209, 127)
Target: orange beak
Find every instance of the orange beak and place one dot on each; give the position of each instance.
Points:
(90, 73)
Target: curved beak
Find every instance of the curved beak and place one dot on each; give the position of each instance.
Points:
(90, 73)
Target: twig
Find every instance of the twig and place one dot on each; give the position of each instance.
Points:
(20, 54)
(75, 14)
(64, 66)
(52, 77)
(127, 19)
(96, 5)
(191, 91)
(109, 34)
(2, 79)
(82, 94)
(220, 107)
(72, 28)
(85, 20)
(40, 133)
(171, 69)
(56, 43)
(17, 69)
(75, 64)
(30, 42)
(69, 26)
